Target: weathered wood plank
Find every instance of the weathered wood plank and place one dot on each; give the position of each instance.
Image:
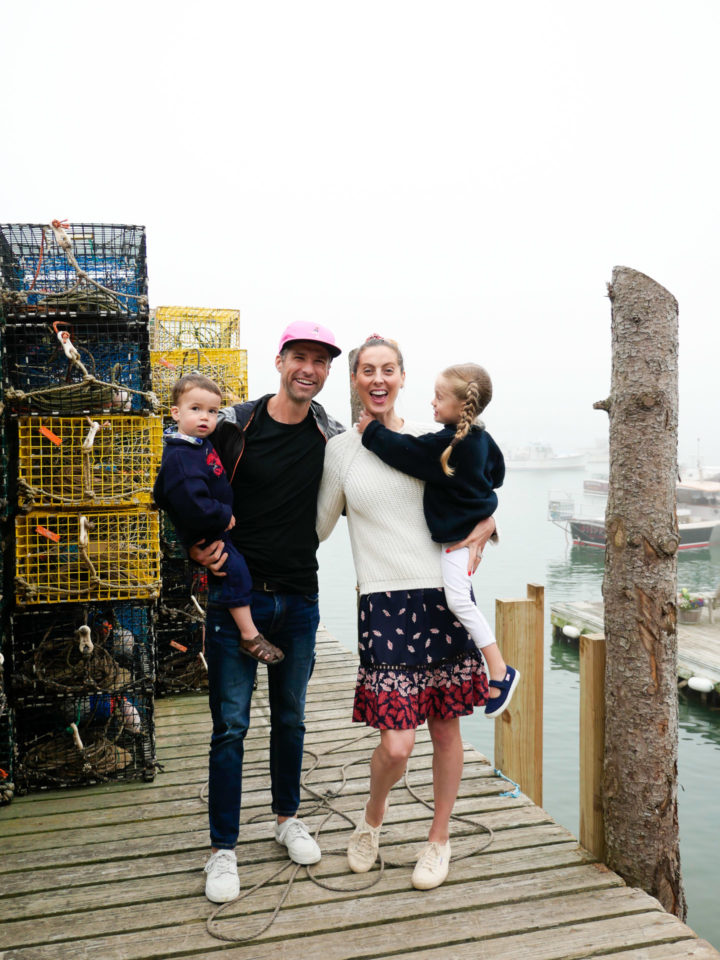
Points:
(396, 919)
(115, 871)
(110, 916)
(107, 864)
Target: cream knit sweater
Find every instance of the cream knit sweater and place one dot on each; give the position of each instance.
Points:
(390, 540)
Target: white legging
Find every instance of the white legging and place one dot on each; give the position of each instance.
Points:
(459, 599)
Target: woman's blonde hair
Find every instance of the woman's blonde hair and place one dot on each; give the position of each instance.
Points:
(471, 384)
(377, 340)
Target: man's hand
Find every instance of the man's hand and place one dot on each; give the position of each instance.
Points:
(231, 524)
(212, 556)
(475, 542)
(364, 420)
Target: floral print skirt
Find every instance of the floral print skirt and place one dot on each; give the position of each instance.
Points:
(416, 661)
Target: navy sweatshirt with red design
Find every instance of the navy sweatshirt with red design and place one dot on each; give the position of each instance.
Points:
(193, 488)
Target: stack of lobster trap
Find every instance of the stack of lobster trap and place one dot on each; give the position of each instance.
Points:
(82, 442)
(186, 340)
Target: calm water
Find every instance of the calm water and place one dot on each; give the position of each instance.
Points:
(535, 551)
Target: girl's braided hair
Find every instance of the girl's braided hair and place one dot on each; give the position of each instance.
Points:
(471, 384)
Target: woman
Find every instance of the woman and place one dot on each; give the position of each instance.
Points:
(416, 661)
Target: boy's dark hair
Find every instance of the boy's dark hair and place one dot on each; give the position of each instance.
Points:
(191, 380)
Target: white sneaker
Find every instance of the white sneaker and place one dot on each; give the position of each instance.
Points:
(432, 866)
(363, 845)
(293, 834)
(222, 883)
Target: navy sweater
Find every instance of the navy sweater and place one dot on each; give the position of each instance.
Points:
(452, 505)
(193, 488)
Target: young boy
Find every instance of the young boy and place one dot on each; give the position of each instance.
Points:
(193, 488)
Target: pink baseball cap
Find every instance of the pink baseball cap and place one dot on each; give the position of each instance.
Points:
(306, 330)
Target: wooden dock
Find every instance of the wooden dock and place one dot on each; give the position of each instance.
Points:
(698, 643)
(114, 872)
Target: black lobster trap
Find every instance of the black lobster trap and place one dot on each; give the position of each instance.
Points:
(180, 633)
(70, 741)
(81, 650)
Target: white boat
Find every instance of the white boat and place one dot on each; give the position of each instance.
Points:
(541, 456)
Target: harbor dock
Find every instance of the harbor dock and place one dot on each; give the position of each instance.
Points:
(114, 871)
(698, 643)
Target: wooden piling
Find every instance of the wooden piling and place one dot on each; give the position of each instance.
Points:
(519, 626)
(592, 742)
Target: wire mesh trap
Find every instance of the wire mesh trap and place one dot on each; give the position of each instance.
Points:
(180, 636)
(228, 368)
(187, 328)
(181, 579)
(72, 367)
(92, 555)
(58, 269)
(7, 760)
(79, 461)
(170, 545)
(73, 741)
(5, 472)
(81, 649)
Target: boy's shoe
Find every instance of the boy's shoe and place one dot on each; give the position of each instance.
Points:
(222, 882)
(497, 705)
(432, 866)
(363, 845)
(293, 834)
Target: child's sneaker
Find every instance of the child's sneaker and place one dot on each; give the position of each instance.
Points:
(497, 705)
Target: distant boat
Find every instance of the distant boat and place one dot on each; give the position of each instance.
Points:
(694, 493)
(697, 532)
(541, 456)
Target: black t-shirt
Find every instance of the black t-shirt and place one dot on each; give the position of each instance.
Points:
(276, 487)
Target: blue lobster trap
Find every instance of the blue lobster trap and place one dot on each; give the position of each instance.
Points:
(59, 269)
(80, 366)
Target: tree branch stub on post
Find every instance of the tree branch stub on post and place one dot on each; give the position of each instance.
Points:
(639, 590)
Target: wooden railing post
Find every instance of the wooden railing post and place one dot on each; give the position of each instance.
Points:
(592, 742)
(519, 627)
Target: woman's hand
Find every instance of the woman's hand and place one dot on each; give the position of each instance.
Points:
(212, 556)
(475, 542)
(364, 420)
(231, 524)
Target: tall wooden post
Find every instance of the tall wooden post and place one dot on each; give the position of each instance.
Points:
(519, 627)
(355, 405)
(639, 590)
(592, 742)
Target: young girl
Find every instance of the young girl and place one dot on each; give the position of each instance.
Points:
(461, 466)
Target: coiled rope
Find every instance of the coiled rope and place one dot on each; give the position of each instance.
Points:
(324, 802)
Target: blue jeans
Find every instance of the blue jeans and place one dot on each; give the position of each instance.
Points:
(290, 621)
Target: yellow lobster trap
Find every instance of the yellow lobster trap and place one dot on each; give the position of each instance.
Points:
(182, 328)
(228, 368)
(73, 461)
(87, 555)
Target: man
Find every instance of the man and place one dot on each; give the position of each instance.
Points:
(272, 450)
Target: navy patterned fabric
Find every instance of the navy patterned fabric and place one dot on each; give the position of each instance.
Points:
(416, 661)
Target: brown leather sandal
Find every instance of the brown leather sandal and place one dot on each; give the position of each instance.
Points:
(262, 650)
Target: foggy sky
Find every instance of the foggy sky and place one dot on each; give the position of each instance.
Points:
(462, 176)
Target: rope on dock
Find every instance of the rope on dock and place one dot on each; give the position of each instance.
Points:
(324, 802)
